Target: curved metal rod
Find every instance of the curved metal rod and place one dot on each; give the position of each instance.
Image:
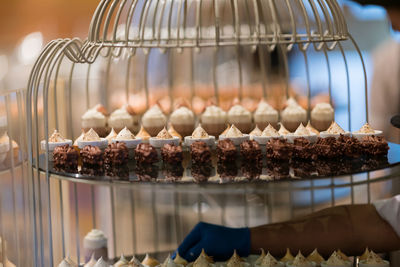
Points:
(117, 18)
(109, 16)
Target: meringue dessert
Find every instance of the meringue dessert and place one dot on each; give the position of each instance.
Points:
(91, 263)
(101, 263)
(293, 115)
(96, 119)
(365, 255)
(300, 261)
(256, 132)
(183, 120)
(373, 260)
(322, 116)
(179, 260)
(270, 261)
(302, 131)
(95, 244)
(214, 120)
(67, 262)
(154, 120)
(93, 139)
(311, 128)
(235, 135)
(79, 138)
(124, 117)
(282, 130)
(134, 262)
(110, 136)
(150, 261)
(162, 138)
(315, 257)
(122, 262)
(366, 130)
(173, 132)
(336, 260)
(333, 131)
(241, 117)
(143, 134)
(56, 139)
(269, 133)
(169, 262)
(236, 261)
(199, 134)
(125, 136)
(260, 258)
(288, 256)
(265, 114)
(203, 260)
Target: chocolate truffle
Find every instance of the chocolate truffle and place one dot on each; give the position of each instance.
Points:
(146, 153)
(251, 151)
(374, 145)
(171, 153)
(302, 148)
(116, 154)
(326, 147)
(201, 171)
(92, 155)
(200, 152)
(226, 150)
(173, 171)
(65, 157)
(146, 172)
(349, 146)
(227, 170)
(279, 149)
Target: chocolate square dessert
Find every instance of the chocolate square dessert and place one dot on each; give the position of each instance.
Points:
(302, 148)
(92, 155)
(116, 154)
(251, 151)
(201, 171)
(65, 157)
(146, 153)
(327, 147)
(200, 152)
(349, 146)
(171, 153)
(279, 149)
(226, 150)
(374, 146)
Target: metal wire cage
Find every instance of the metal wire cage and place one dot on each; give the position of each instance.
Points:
(144, 52)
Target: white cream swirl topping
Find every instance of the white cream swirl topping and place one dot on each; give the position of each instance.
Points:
(101, 263)
(283, 130)
(122, 262)
(301, 261)
(182, 115)
(91, 262)
(366, 129)
(256, 131)
(233, 132)
(91, 135)
(234, 261)
(335, 260)
(67, 262)
(169, 262)
(335, 129)
(374, 259)
(56, 137)
(125, 134)
(112, 135)
(154, 117)
(200, 133)
(164, 134)
(213, 114)
(301, 130)
(270, 131)
(269, 261)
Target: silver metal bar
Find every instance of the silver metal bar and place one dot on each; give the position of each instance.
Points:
(77, 240)
(132, 199)
(93, 199)
(114, 233)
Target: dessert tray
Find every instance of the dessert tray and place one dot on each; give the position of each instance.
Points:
(219, 173)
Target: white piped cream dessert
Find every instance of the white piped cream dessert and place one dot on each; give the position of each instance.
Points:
(203, 260)
(293, 115)
(67, 262)
(260, 258)
(265, 114)
(333, 131)
(235, 135)
(322, 116)
(315, 257)
(93, 139)
(300, 261)
(183, 120)
(373, 260)
(270, 261)
(112, 135)
(79, 138)
(95, 244)
(173, 132)
(366, 130)
(91, 263)
(122, 262)
(96, 119)
(124, 117)
(150, 261)
(162, 138)
(268, 133)
(143, 134)
(288, 256)
(199, 134)
(311, 128)
(256, 132)
(101, 263)
(241, 117)
(302, 131)
(283, 131)
(127, 137)
(154, 120)
(179, 260)
(335, 260)
(236, 261)
(214, 120)
(56, 139)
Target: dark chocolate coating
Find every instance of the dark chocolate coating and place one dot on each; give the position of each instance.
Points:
(116, 154)
(226, 150)
(171, 153)
(251, 151)
(65, 157)
(92, 155)
(200, 152)
(279, 149)
(146, 153)
(374, 145)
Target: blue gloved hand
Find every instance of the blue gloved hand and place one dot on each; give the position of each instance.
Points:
(217, 241)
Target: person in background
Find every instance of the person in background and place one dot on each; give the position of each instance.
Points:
(350, 228)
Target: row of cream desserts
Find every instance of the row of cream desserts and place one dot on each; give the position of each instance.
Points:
(337, 259)
(214, 119)
(231, 132)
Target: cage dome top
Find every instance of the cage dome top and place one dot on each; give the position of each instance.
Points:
(205, 23)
